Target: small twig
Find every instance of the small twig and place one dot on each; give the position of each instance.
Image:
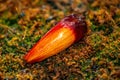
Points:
(7, 27)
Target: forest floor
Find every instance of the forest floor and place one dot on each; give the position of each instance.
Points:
(24, 22)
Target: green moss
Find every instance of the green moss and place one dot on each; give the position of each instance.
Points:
(20, 30)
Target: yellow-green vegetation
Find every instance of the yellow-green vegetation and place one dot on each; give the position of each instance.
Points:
(24, 22)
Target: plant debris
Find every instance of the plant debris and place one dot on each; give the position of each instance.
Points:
(24, 22)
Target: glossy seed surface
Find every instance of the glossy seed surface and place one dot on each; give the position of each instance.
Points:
(69, 30)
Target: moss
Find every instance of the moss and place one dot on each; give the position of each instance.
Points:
(95, 57)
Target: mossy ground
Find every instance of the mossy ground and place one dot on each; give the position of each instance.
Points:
(24, 22)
